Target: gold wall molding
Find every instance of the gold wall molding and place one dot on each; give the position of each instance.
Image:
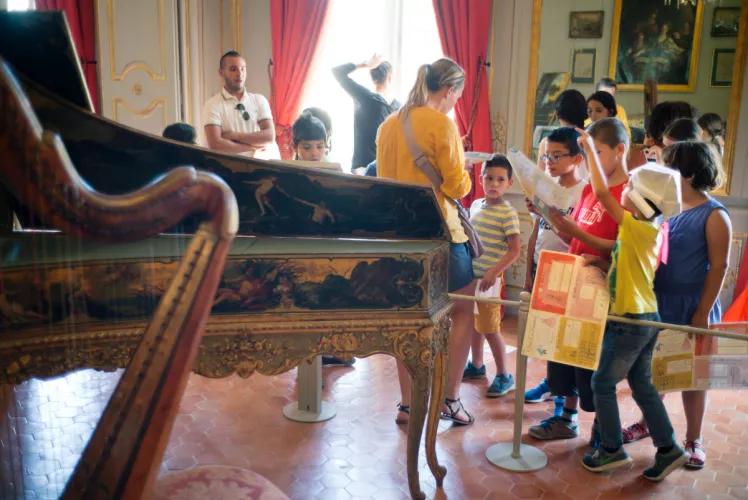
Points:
(159, 76)
(144, 113)
(499, 131)
(188, 54)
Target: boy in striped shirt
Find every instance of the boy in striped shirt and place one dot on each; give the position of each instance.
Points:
(497, 224)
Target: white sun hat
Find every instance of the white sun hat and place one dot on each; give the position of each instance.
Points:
(660, 185)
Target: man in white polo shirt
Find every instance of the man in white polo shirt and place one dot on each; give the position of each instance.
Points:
(236, 121)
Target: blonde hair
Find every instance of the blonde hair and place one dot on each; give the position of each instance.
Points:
(432, 78)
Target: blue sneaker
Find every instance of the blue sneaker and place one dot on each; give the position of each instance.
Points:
(665, 463)
(472, 371)
(539, 394)
(601, 460)
(558, 405)
(501, 385)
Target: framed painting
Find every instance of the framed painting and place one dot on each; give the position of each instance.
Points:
(583, 62)
(726, 21)
(723, 64)
(655, 40)
(586, 24)
(549, 88)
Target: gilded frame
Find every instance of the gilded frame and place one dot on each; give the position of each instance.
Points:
(693, 65)
(741, 51)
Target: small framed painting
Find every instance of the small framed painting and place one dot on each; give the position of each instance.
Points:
(726, 21)
(583, 62)
(586, 24)
(723, 62)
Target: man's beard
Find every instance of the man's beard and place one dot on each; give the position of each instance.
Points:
(229, 84)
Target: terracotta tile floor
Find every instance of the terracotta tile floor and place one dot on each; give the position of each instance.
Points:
(361, 452)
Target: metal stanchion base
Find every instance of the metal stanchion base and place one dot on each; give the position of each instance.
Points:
(293, 412)
(531, 458)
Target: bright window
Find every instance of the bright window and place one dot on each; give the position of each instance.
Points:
(403, 31)
(20, 4)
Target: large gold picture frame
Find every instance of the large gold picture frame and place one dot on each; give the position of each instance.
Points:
(741, 52)
(690, 86)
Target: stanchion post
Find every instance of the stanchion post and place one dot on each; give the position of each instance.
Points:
(310, 407)
(518, 457)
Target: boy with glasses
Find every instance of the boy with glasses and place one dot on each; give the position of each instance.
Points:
(562, 159)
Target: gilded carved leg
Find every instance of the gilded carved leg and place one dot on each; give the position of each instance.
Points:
(438, 382)
(419, 379)
(438, 387)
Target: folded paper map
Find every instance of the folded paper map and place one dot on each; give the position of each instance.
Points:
(568, 311)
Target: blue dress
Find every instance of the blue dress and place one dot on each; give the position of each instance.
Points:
(679, 283)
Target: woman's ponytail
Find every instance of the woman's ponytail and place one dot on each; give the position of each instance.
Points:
(418, 94)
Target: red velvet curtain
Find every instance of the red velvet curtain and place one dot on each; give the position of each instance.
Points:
(296, 26)
(82, 22)
(464, 29)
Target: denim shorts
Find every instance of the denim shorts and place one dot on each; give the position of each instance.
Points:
(460, 266)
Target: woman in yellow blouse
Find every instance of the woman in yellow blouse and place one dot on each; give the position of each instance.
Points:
(438, 87)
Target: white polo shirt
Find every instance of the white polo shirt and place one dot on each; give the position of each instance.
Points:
(221, 110)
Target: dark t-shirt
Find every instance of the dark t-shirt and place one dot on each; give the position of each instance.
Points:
(371, 110)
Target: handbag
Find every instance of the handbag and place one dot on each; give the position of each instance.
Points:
(429, 170)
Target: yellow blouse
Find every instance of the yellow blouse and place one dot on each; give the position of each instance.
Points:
(438, 137)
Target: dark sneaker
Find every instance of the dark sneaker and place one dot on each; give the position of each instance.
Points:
(332, 361)
(539, 394)
(472, 371)
(554, 428)
(595, 437)
(501, 385)
(601, 460)
(665, 463)
(558, 405)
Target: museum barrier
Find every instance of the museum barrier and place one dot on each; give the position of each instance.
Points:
(519, 457)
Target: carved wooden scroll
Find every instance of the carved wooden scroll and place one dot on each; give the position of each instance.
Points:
(123, 456)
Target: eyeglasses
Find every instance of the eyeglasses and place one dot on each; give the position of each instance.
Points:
(553, 160)
(240, 108)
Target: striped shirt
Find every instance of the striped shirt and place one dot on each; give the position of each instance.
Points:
(494, 224)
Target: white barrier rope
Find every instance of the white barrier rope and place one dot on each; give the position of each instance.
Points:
(619, 319)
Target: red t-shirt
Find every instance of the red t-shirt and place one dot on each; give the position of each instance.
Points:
(593, 219)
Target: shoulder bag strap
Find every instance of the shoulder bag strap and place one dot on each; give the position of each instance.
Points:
(419, 157)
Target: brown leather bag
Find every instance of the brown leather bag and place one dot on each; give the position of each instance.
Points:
(429, 170)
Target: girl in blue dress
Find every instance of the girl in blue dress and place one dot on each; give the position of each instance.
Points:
(688, 286)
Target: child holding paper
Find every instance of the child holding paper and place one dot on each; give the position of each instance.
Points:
(562, 159)
(591, 231)
(497, 224)
(688, 285)
(652, 194)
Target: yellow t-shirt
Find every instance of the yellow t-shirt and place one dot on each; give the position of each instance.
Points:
(438, 137)
(621, 115)
(632, 267)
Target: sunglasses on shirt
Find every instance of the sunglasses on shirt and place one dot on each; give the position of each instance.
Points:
(240, 108)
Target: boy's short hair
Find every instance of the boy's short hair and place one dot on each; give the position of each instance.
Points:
(605, 83)
(683, 129)
(381, 72)
(571, 106)
(567, 136)
(326, 120)
(308, 128)
(181, 132)
(498, 160)
(609, 131)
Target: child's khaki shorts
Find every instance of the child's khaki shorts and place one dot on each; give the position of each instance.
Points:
(488, 317)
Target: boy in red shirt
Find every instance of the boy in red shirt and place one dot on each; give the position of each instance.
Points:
(591, 232)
